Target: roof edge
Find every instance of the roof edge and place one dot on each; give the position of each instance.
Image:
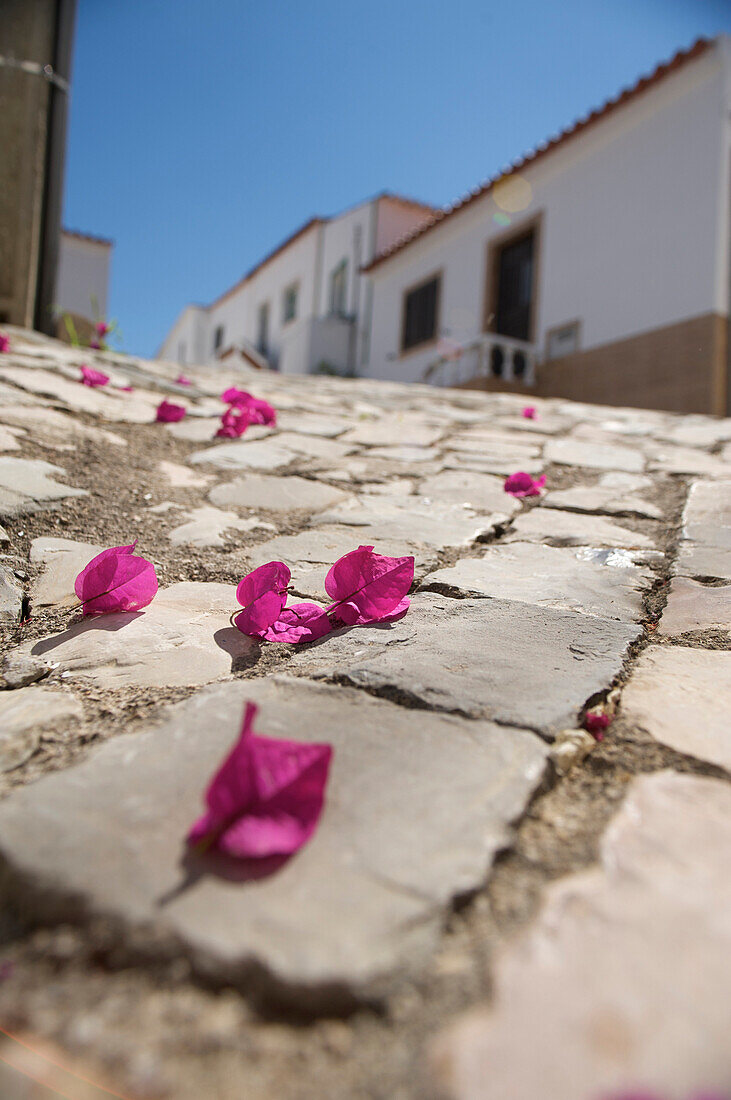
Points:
(662, 70)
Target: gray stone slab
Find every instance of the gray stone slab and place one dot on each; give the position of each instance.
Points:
(9, 438)
(184, 637)
(705, 546)
(621, 985)
(574, 529)
(602, 456)
(207, 526)
(481, 492)
(693, 606)
(310, 554)
(493, 462)
(549, 577)
(263, 454)
(195, 429)
(681, 697)
(25, 482)
(684, 460)
(11, 595)
(180, 477)
(408, 430)
(25, 714)
(417, 806)
(103, 401)
(313, 447)
(598, 498)
(61, 561)
(412, 518)
(276, 494)
(306, 423)
(499, 659)
(56, 429)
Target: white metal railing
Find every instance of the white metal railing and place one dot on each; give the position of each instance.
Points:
(489, 356)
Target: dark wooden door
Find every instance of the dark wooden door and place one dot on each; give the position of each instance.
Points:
(515, 288)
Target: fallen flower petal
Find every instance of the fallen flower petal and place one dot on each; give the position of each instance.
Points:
(260, 412)
(116, 581)
(183, 381)
(102, 328)
(368, 587)
(266, 798)
(91, 377)
(301, 622)
(126, 389)
(4, 343)
(530, 412)
(234, 423)
(168, 413)
(521, 484)
(595, 722)
(262, 594)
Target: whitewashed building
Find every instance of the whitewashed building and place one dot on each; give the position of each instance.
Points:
(596, 267)
(306, 306)
(82, 280)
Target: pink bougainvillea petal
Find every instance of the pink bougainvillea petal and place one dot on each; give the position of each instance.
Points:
(366, 587)
(183, 381)
(301, 622)
(521, 484)
(259, 412)
(91, 377)
(530, 412)
(4, 343)
(115, 580)
(262, 594)
(102, 328)
(126, 389)
(168, 413)
(267, 797)
(234, 423)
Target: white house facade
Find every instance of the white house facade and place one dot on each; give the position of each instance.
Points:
(82, 279)
(306, 306)
(595, 268)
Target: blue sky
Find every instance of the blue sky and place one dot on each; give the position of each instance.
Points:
(202, 133)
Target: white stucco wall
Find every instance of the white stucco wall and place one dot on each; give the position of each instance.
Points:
(187, 342)
(630, 233)
(83, 274)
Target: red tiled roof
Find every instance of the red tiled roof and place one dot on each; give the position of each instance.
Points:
(681, 58)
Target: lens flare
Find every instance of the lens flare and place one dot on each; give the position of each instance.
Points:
(513, 193)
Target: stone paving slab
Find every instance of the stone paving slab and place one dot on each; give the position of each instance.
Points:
(680, 696)
(11, 595)
(208, 526)
(433, 523)
(621, 987)
(276, 494)
(692, 606)
(27, 483)
(54, 428)
(499, 659)
(259, 455)
(184, 637)
(409, 431)
(557, 528)
(24, 714)
(130, 408)
(61, 561)
(417, 807)
(481, 492)
(705, 546)
(549, 577)
(570, 452)
(611, 498)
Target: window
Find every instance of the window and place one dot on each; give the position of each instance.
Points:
(420, 314)
(339, 289)
(262, 329)
(563, 340)
(512, 290)
(289, 304)
(217, 337)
